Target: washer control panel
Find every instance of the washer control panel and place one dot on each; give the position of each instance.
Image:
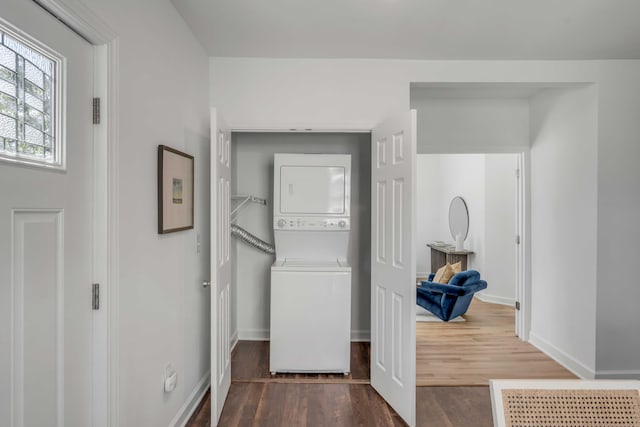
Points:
(311, 223)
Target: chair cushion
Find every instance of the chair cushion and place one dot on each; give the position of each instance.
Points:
(457, 267)
(444, 274)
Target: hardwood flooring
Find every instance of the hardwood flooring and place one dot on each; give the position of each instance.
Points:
(458, 358)
(317, 405)
(482, 348)
(250, 363)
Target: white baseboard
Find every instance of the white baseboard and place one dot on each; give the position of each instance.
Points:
(253, 334)
(495, 299)
(631, 374)
(192, 402)
(569, 362)
(234, 339)
(263, 335)
(361, 336)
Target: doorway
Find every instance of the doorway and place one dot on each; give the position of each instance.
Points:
(393, 343)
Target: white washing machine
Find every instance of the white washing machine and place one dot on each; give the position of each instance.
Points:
(310, 316)
(311, 278)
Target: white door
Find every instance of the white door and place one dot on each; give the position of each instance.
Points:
(45, 225)
(220, 264)
(393, 263)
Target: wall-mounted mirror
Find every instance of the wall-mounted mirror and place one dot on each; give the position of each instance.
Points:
(458, 217)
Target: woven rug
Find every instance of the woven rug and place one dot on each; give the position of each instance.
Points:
(571, 407)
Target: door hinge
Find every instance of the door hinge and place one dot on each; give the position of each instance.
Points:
(95, 296)
(518, 173)
(96, 111)
(517, 305)
(517, 239)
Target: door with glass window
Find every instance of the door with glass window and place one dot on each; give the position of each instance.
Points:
(46, 158)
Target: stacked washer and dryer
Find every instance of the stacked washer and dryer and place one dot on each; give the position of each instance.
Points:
(311, 277)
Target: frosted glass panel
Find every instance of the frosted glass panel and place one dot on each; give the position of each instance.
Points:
(33, 74)
(27, 100)
(34, 118)
(33, 136)
(7, 58)
(8, 127)
(312, 190)
(31, 150)
(8, 105)
(33, 89)
(7, 87)
(29, 54)
(33, 101)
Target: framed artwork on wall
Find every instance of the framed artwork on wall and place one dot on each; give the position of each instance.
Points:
(175, 190)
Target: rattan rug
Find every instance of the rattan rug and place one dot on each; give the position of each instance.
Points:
(571, 407)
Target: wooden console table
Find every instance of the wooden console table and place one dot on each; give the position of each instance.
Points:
(441, 255)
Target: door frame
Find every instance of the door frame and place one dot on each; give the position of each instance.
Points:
(105, 347)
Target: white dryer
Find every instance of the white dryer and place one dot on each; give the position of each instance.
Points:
(311, 278)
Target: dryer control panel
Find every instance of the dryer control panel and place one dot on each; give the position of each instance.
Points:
(311, 223)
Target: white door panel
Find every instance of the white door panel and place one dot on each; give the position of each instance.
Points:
(220, 264)
(46, 255)
(393, 294)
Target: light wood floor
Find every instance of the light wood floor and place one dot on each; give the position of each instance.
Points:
(482, 348)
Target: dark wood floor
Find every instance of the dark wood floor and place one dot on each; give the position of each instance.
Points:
(250, 363)
(317, 405)
(310, 400)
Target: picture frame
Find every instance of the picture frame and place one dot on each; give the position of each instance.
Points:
(175, 190)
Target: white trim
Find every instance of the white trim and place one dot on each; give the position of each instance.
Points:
(495, 299)
(566, 360)
(113, 235)
(301, 128)
(234, 339)
(77, 16)
(361, 336)
(264, 335)
(630, 374)
(253, 334)
(523, 250)
(191, 404)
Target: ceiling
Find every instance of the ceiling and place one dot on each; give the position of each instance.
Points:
(417, 29)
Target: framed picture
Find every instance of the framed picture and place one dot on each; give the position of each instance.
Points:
(175, 190)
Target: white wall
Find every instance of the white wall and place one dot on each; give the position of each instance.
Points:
(473, 125)
(500, 228)
(564, 201)
(163, 309)
(618, 340)
(252, 169)
(441, 178)
(345, 93)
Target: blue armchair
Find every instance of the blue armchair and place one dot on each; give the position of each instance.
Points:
(451, 300)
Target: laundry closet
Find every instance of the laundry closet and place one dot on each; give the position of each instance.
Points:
(252, 175)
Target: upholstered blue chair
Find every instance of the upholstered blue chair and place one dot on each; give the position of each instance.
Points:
(451, 300)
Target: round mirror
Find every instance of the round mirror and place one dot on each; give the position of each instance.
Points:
(458, 218)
